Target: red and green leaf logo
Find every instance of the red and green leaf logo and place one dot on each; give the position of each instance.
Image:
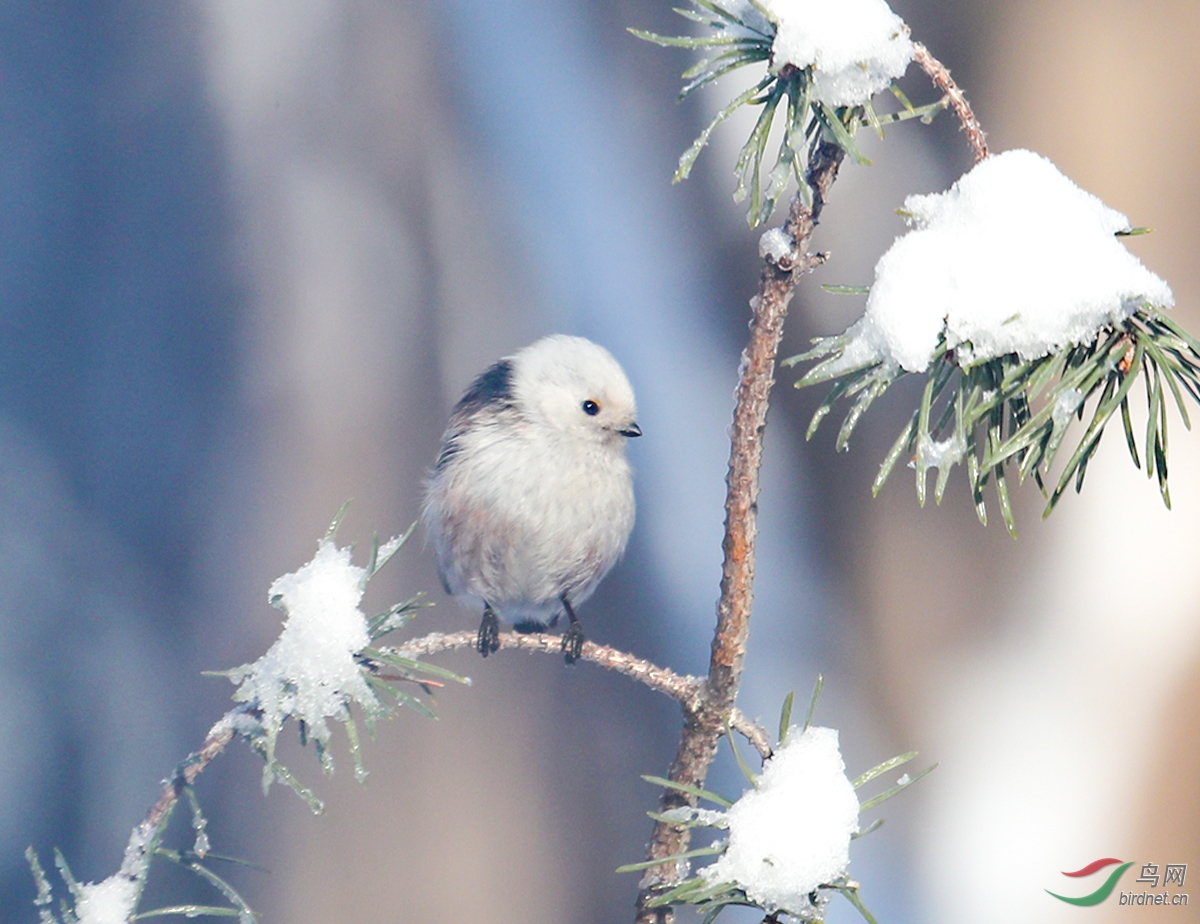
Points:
(1101, 893)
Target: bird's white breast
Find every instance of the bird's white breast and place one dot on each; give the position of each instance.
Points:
(520, 517)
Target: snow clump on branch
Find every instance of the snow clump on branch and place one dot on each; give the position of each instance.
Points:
(310, 672)
(1014, 258)
(792, 833)
(855, 47)
(111, 901)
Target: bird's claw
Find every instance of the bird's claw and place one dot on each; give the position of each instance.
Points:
(572, 643)
(488, 639)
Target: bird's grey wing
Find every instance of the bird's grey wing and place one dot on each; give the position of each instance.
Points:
(491, 393)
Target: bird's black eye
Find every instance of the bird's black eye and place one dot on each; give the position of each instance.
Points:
(591, 408)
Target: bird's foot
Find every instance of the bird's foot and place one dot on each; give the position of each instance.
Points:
(488, 639)
(572, 643)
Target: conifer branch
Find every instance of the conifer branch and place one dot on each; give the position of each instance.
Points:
(683, 688)
(703, 727)
(940, 75)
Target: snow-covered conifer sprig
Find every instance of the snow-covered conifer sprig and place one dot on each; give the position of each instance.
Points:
(784, 845)
(1012, 346)
(115, 900)
(324, 661)
(824, 63)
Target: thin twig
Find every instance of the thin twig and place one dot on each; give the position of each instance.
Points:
(143, 840)
(683, 688)
(703, 727)
(940, 75)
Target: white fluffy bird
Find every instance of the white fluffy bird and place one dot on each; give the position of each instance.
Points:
(531, 501)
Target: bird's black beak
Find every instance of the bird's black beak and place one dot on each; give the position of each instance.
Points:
(632, 430)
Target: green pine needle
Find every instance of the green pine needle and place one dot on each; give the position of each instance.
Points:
(851, 895)
(880, 769)
(698, 852)
(899, 787)
(689, 789)
(331, 532)
(872, 827)
(812, 702)
(785, 716)
(737, 756)
(45, 895)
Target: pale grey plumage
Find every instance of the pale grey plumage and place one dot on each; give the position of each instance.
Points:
(531, 501)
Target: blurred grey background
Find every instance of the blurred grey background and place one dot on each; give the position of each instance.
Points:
(253, 250)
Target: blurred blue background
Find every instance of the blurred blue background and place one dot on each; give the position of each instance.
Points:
(253, 250)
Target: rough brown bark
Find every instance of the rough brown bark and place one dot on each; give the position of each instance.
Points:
(940, 75)
(683, 688)
(704, 725)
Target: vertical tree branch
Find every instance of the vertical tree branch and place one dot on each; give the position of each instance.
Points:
(704, 724)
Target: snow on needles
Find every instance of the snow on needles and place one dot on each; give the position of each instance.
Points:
(310, 672)
(792, 833)
(1014, 258)
(855, 47)
(111, 901)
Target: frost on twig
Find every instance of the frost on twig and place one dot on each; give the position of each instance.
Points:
(1014, 296)
(115, 900)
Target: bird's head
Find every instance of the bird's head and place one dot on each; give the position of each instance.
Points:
(574, 387)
